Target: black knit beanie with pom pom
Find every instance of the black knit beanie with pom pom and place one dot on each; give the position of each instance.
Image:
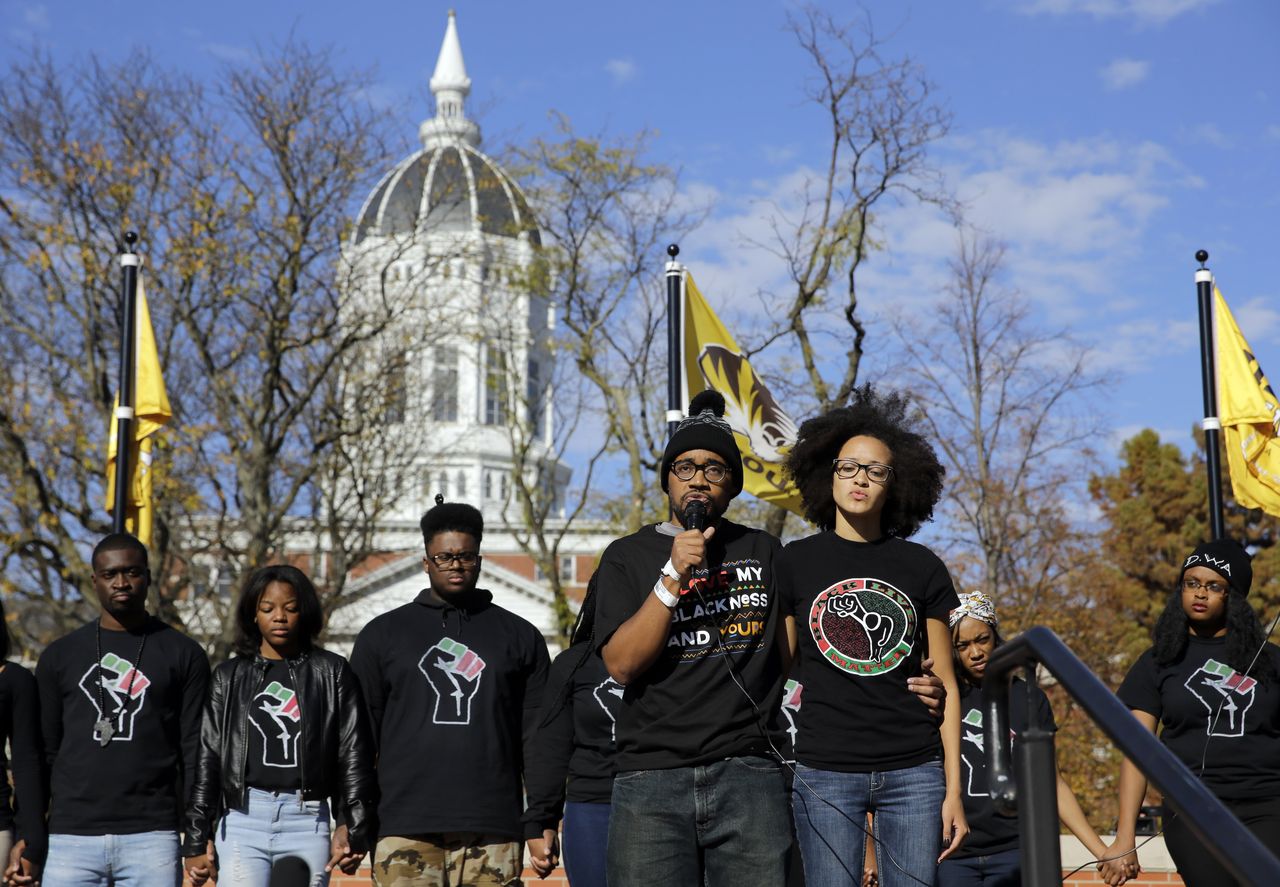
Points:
(705, 429)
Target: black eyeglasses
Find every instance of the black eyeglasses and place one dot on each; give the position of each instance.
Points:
(847, 469)
(714, 472)
(445, 558)
(1213, 586)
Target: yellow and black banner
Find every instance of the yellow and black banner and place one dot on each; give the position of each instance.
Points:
(151, 412)
(1248, 410)
(764, 431)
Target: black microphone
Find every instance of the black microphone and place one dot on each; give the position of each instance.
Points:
(695, 515)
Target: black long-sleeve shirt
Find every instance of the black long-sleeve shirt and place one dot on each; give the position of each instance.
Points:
(572, 753)
(20, 724)
(453, 691)
(140, 780)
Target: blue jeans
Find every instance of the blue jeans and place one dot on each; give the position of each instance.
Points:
(1002, 869)
(586, 842)
(273, 830)
(831, 811)
(147, 859)
(723, 824)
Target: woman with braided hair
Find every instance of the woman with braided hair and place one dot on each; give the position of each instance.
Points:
(572, 758)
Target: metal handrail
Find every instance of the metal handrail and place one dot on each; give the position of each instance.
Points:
(1239, 852)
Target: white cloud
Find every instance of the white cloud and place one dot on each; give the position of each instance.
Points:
(1210, 134)
(1124, 73)
(621, 70)
(1258, 319)
(226, 52)
(382, 96)
(1074, 216)
(32, 20)
(36, 17)
(777, 155)
(1153, 12)
(1181, 437)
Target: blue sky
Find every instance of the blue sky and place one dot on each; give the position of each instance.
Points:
(1103, 140)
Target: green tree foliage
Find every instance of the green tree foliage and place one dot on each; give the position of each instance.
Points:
(1154, 511)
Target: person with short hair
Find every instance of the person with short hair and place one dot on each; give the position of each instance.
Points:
(453, 683)
(120, 704)
(285, 743)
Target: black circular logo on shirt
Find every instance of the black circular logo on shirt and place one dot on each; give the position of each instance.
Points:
(863, 626)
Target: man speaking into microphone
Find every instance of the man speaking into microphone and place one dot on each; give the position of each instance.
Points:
(687, 620)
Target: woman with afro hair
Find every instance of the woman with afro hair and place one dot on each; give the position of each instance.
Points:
(1213, 681)
(864, 607)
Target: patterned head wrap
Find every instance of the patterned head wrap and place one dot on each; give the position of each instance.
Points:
(976, 605)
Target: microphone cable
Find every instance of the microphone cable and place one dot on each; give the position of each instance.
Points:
(762, 723)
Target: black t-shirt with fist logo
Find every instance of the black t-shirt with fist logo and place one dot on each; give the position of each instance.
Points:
(860, 610)
(133, 778)
(275, 723)
(1223, 725)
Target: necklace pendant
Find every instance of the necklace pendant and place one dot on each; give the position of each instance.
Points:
(105, 730)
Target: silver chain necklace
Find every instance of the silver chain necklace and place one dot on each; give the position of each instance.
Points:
(105, 727)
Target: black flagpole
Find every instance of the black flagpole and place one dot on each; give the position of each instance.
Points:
(675, 340)
(1212, 426)
(124, 411)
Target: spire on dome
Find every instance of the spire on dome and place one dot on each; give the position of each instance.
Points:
(451, 72)
(450, 85)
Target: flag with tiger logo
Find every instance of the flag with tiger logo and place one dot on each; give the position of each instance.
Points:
(764, 431)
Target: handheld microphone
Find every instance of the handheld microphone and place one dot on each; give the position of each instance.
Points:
(695, 515)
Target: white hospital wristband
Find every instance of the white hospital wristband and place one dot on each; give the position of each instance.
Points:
(668, 599)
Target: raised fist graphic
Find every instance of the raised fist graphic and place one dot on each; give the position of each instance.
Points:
(608, 694)
(274, 714)
(1226, 694)
(453, 670)
(792, 696)
(121, 697)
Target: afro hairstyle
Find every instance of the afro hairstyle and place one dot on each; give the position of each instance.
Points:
(916, 484)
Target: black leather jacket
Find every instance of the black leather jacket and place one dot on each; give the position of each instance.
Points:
(335, 750)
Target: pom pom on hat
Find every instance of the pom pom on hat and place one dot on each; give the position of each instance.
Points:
(705, 429)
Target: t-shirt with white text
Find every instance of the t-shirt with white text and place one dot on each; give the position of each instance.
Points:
(687, 708)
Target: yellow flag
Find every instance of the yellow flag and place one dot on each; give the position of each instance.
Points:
(1247, 407)
(151, 412)
(765, 433)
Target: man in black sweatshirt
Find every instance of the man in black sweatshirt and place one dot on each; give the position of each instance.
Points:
(453, 683)
(120, 705)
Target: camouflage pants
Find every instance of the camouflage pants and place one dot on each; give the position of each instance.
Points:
(451, 859)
